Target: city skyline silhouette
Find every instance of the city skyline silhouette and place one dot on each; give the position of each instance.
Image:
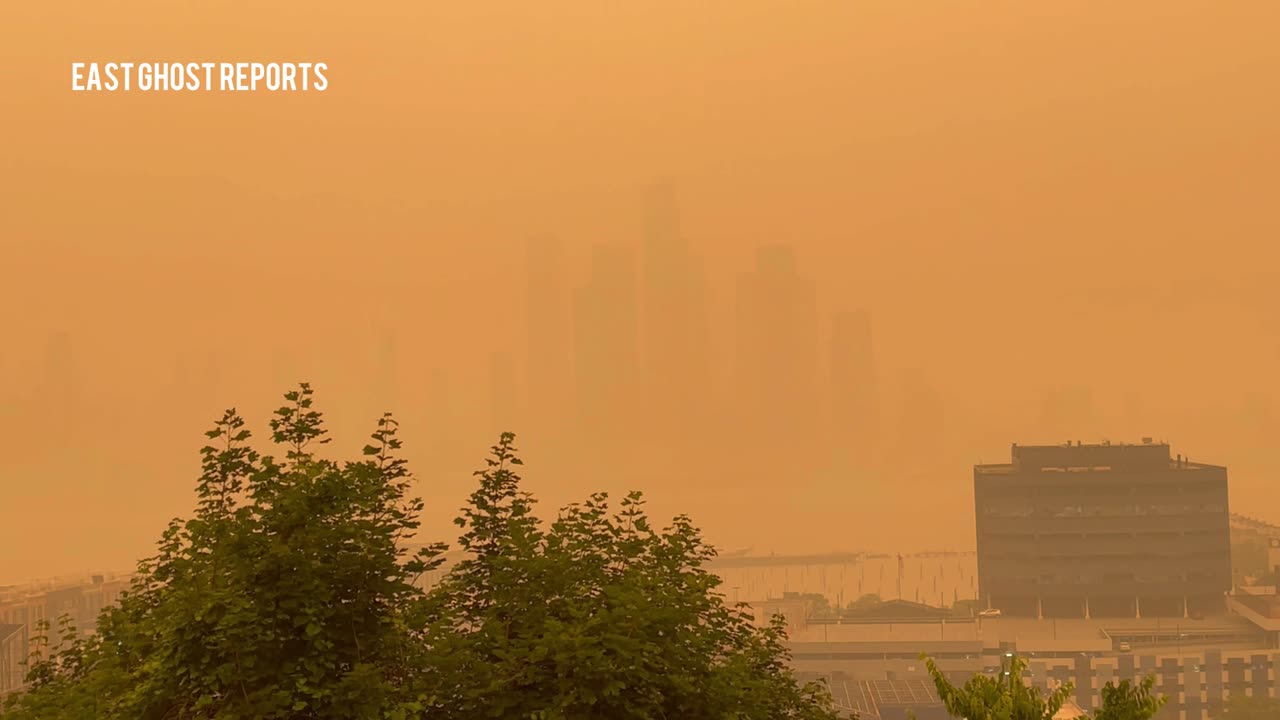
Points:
(792, 270)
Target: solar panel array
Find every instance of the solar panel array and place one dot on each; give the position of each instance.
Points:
(904, 692)
(866, 697)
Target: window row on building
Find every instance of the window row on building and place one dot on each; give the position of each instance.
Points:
(1047, 510)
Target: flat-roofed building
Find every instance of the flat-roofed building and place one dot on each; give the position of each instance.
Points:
(793, 609)
(864, 649)
(1102, 531)
(1225, 657)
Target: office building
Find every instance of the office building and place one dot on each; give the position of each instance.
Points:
(1102, 531)
(777, 362)
(855, 408)
(673, 327)
(605, 339)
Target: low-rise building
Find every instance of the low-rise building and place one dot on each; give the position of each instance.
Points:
(25, 610)
(12, 657)
(793, 609)
(1198, 664)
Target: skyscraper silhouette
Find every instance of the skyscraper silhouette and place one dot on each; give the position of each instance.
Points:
(855, 401)
(777, 362)
(674, 326)
(605, 349)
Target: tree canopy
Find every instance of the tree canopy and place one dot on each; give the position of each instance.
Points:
(288, 595)
(1007, 696)
(868, 600)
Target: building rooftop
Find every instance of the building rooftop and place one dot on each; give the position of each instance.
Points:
(1081, 457)
(881, 699)
(901, 692)
(897, 609)
(890, 699)
(882, 633)
(1098, 636)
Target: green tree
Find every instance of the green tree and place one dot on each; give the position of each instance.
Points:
(282, 597)
(1129, 701)
(818, 606)
(866, 601)
(1008, 697)
(1003, 697)
(287, 596)
(599, 615)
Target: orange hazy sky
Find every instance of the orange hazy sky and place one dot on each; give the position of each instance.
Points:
(1024, 196)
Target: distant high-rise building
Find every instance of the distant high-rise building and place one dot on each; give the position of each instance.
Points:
(1102, 530)
(605, 348)
(855, 402)
(674, 322)
(549, 343)
(776, 359)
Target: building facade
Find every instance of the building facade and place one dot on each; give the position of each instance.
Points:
(28, 612)
(12, 655)
(1197, 686)
(1102, 531)
(1198, 665)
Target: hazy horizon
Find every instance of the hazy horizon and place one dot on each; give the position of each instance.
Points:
(1058, 220)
